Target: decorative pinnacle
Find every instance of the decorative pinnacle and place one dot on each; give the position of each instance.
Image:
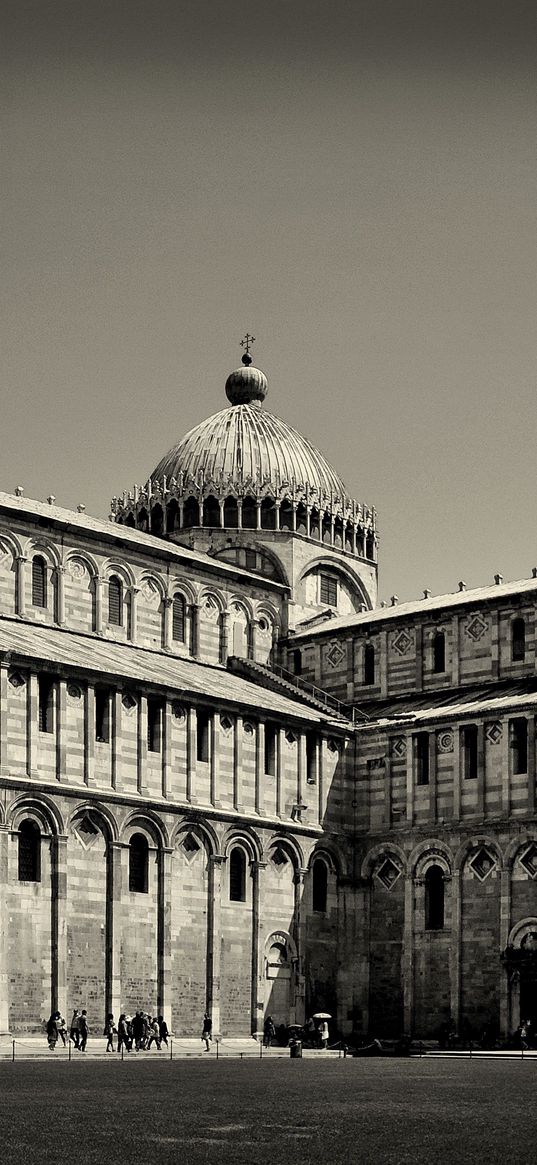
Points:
(247, 344)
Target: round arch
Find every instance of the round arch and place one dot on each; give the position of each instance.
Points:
(519, 843)
(290, 846)
(334, 564)
(138, 821)
(519, 931)
(41, 809)
(152, 577)
(44, 546)
(473, 843)
(12, 544)
(243, 837)
(83, 556)
(211, 593)
(201, 830)
(122, 569)
(382, 850)
(98, 813)
(430, 853)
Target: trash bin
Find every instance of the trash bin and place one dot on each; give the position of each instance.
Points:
(295, 1049)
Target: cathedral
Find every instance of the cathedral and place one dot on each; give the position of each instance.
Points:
(231, 781)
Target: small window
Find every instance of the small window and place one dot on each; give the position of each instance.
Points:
(29, 852)
(311, 759)
(39, 582)
(518, 640)
(319, 885)
(46, 704)
(518, 731)
(178, 619)
(138, 864)
(469, 748)
(250, 559)
(237, 875)
(270, 750)
(434, 898)
(422, 758)
(102, 715)
(115, 601)
(369, 664)
(439, 652)
(297, 661)
(203, 724)
(154, 718)
(328, 590)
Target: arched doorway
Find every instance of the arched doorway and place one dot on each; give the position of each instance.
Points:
(279, 994)
(520, 961)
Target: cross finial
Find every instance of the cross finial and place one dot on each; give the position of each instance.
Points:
(247, 343)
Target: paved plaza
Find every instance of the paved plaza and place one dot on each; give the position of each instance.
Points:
(307, 1111)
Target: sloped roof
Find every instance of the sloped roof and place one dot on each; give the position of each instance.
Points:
(187, 677)
(494, 699)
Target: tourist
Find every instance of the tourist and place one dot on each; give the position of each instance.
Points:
(207, 1032)
(74, 1033)
(110, 1031)
(62, 1028)
(323, 1034)
(52, 1032)
(123, 1035)
(163, 1029)
(83, 1031)
(139, 1030)
(269, 1031)
(154, 1034)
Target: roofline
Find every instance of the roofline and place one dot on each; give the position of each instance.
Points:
(68, 520)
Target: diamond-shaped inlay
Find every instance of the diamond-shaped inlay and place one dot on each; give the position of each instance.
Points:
(129, 701)
(494, 732)
(529, 860)
(388, 873)
(335, 654)
(226, 723)
(279, 857)
(476, 627)
(402, 642)
(15, 679)
(191, 845)
(86, 831)
(399, 747)
(482, 863)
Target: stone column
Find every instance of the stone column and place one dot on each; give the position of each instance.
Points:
(58, 861)
(20, 585)
(258, 513)
(294, 506)
(98, 590)
(455, 657)
(321, 777)
(383, 663)
(4, 762)
(237, 763)
(114, 889)
(298, 926)
(166, 746)
(419, 658)
(32, 723)
(142, 745)
(300, 767)
(4, 881)
(258, 946)
(59, 575)
(277, 515)
(168, 606)
(191, 752)
(213, 939)
(164, 933)
(308, 521)
(252, 639)
(194, 629)
(61, 727)
(133, 604)
(259, 766)
(116, 738)
(89, 736)
(239, 513)
(280, 746)
(214, 758)
(456, 773)
(224, 636)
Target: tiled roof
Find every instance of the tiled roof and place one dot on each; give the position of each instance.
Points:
(148, 543)
(439, 603)
(188, 677)
(421, 707)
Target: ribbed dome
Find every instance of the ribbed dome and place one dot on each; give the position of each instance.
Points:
(244, 444)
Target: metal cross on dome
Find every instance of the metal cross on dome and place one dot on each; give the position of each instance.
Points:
(247, 343)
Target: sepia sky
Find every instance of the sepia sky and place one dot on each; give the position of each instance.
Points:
(353, 181)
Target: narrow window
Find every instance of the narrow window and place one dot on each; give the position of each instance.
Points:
(138, 864)
(369, 664)
(518, 731)
(115, 601)
(237, 875)
(154, 716)
(311, 759)
(328, 589)
(39, 582)
(46, 704)
(250, 559)
(439, 652)
(518, 640)
(469, 748)
(270, 750)
(297, 661)
(178, 619)
(434, 898)
(203, 724)
(319, 885)
(102, 715)
(29, 852)
(422, 758)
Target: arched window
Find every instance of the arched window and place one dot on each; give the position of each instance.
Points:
(191, 513)
(115, 601)
(319, 885)
(29, 852)
(39, 581)
(439, 652)
(434, 898)
(518, 640)
(369, 664)
(138, 864)
(237, 875)
(211, 512)
(178, 619)
(157, 519)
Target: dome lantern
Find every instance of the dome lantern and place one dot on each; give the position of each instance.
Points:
(247, 385)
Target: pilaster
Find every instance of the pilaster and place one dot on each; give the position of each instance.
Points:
(32, 723)
(4, 694)
(4, 993)
(113, 926)
(164, 932)
(407, 960)
(191, 746)
(259, 766)
(59, 923)
(258, 968)
(142, 745)
(61, 729)
(20, 585)
(214, 939)
(237, 762)
(89, 736)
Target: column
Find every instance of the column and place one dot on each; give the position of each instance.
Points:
(456, 773)
(252, 639)
(531, 765)
(59, 573)
(321, 777)
(215, 761)
(194, 629)
(166, 750)
(164, 932)
(455, 657)
(98, 583)
(61, 729)
(301, 761)
(32, 723)
(505, 926)
(258, 947)
(3, 716)
(277, 515)
(89, 736)
(114, 889)
(4, 878)
(297, 1011)
(116, 740)
(495, 645)
(481, 775)
(168, 605)
(280, 745)
(387, 807)
(350, 670)
(59, 924)
(239, 513)
(191, 752)
(506, 767)
(142, 745)
(294, 506)
(419, 658)
(237, 762)
(259, 766)
(455, 947)
(258, 513)
(308, 521)
(410, 748)
(133, 604)
(383, 662)
(224, 636)
(407, 957)
(20, 584)
(433, 811)
(214, 929)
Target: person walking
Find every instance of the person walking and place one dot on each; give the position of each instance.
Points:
(83, 1031)
(323, 1035)
(123, 1037)
(163, 1029)
(207, 1032)
(74, 1033)
(62, 1028)
(110, 1031)
(154, 1034)
(269, 1031)
(52, 1032)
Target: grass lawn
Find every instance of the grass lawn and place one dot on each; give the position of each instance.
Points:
(277, 1111)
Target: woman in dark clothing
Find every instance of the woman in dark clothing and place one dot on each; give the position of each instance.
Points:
(123, 1038)
(52, 1032)
(109, 1032)
(163, 1028)
(207, 1031)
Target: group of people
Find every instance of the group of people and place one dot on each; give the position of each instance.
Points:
(314, 1032)
(78, 1032)
(140, 1031)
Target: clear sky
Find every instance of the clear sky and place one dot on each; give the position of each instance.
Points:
(353, 181)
